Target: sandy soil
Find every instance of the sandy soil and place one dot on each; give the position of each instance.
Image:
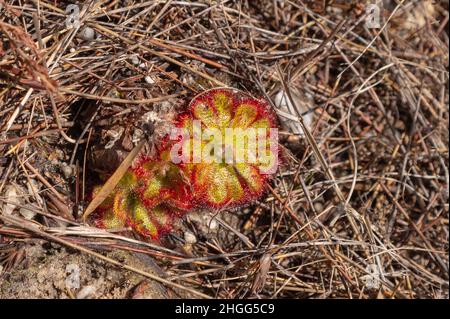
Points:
(52, 271)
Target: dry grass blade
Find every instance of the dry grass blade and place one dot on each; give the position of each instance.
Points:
(112, 182)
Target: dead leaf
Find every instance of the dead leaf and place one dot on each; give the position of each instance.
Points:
(261, 275)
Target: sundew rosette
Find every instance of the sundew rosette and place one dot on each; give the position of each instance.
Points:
(148, 199)
(162, 181)
(227, 145)
(220, 154)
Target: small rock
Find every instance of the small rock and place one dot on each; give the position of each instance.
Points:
(66, 170)
(212, 224)
(86, 291)
(73, 277)
(149, 80)
(190, 237)
(134, 59)
(87, 34)
(146, 290)
(318, 207)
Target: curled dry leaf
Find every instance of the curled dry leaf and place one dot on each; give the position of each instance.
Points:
(13, 197)
(288, 112)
